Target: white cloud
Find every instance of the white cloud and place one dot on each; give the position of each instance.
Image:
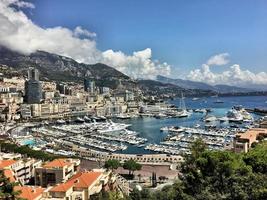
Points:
(219, 59)
(233, 76)
(79, 31)
(138, 65)
(19, 33)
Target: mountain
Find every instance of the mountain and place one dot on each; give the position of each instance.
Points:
(153, 87)
(203, 86)
(60, 68)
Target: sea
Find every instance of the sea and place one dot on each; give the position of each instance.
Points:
(149, 127)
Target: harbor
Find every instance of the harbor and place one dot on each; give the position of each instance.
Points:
(147, 133)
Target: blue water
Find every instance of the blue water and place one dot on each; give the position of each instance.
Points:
(29, 142)
(149, 127)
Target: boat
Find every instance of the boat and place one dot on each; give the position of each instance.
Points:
(197, 126)
(218, 101)
(195, 99)
(210, 118)
(61, 121)
(203, 110)
(79, 120)
(123, 116)
(160, 115)
(182, 112)
(234, 116)
(223, 119)
(87, 119)
(165, 128)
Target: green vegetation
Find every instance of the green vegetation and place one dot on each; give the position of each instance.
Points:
(112, 164)
(216, 175)
(7, 188)
(132, 166)
(25, 150)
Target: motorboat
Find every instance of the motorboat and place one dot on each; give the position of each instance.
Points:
(61, 121)
(223, 119)
(165, 128)
(79, 120)
(87, 119)
(210, 118)
(123, 116)
(218, 101)
(203, 110)
(160, 115)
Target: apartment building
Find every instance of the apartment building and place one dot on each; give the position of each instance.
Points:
(81, 186)
(243, 141)
(21, 170)
(56, 171)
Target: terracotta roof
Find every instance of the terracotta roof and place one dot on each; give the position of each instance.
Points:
(6, 163)
(80, 180)
(85, 179)
(63, 187)
(8, 173)
(29, 192)
(252, 133)
(57, 163)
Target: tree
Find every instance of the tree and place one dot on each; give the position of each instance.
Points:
(7, 188)
(132, 166)
(112, 164)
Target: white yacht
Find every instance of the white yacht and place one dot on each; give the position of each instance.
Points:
(61, 121)
(182, 112)
(223, 119)
(234, 115)
(210, 118)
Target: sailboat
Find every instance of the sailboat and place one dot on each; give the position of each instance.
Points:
(182, 109)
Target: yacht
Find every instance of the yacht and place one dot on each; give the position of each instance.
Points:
(123, 116)
(182, 112)
(210, 118)
(61, 121)
(87, 119)
(203, 110)
(79, 120)
(165, 128)
(234, 116)
(223, 119)
(218, 101)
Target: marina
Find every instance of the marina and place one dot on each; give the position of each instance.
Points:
(154, 131)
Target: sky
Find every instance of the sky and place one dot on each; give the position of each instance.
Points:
(218, 42)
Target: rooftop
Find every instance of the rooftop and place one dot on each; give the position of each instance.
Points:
(80, 180)
(58, 163)
(252, 133)
(6, 163)
(29, 192)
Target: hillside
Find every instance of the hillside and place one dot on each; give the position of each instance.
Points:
(59, 68)
(203, 86)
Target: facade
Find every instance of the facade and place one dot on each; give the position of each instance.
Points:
(22, 170)
(243, 141)
(89, 86)
(33, 87)
(81, 186)
(33, 91)
(56, 171)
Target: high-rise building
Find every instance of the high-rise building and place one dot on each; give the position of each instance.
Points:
(89, 85)
(33, 87)
(33, 74)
